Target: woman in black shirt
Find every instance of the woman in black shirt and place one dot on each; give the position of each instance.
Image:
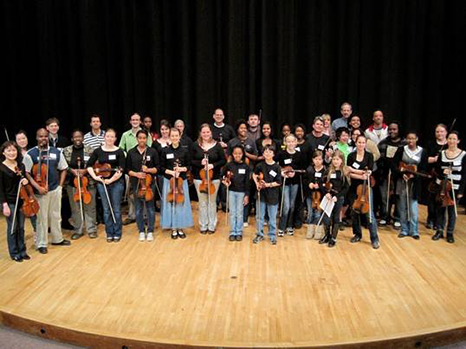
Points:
(110, 189)
(360, 164)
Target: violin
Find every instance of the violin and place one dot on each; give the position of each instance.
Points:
(176, 194)
(206, 175)
(30, 206)
(412, 170)
(260, 178)
(81, 183)
(443, 196)
(289, 169)
(103, 170)
(316, 197)
(362, 204)
(228, 177)
(40, 175)
(145, 185)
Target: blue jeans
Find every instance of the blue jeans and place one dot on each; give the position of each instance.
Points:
(115, 193)
(289, 193)
(441, 218)
(408, 227)
(272, 212)
(235, 205)
(150, 211)
(16, 245)
(313, 215)
(356, 218)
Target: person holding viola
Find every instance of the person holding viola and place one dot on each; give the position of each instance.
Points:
(433, 151)
(9, 182)
(208, 158)
(336, 187)
(46, 171)
(314, 181)
(409, 163)
(141, 163)
(451, 170)
(106, 166)
(176, 212)
(360, 164)
(82, 205)
(236, 177)
(290, 161)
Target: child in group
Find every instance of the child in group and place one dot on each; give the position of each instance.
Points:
(337, 184)
(236, 177)
(268, 181)
(315, 175)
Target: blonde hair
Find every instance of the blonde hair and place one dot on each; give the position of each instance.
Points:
(326, 117)
(199, 138)
(343, 169)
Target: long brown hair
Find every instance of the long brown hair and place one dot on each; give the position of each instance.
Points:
(343, 169)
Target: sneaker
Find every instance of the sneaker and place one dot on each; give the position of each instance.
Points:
(258, 239)
(93, 235)
(273, 240)
(382, 222)
(109, 238)
(239, 237)
(402, 235)
(142, 236)
(281, 233)
(150, 237)
(355, 238)
(245, 224)
(232, 238)
(397, 225)
(375, 245)
(290, 231)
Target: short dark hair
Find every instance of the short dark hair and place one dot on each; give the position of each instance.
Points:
(7, 144)
(239, 123)
(95, 116)
(142, 131)
(268, 147)
(52, 121)
(340, 130)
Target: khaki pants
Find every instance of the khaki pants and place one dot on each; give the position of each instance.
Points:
(89, 212)
(49, 216)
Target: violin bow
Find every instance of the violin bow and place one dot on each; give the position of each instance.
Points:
(16, 209)
(80, 192)
(449, 130)
(6, 133)
(388, 193)
(453, 193)
(206, 156)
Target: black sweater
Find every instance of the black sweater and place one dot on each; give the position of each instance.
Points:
(240, 180)
(168, 157)
(216, 157)
(9, 182)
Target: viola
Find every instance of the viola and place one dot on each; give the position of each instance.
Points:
(206, 175)
(40, 174)
(361, 204)
(81, 192)
(145, 186)
(412, 169)
(176, 194)
(103, 170)
(289, 169)
(316, 197)
(30, 206)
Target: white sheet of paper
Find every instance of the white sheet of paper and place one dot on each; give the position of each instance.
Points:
(391, 150)
(327, 205)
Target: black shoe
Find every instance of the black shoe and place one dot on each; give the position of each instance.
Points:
(76, 236)
(26, 257)
(239, 237)
(375, 245)
(128, 221)
(450, 238)
(17, 259)
(210, 231)
(257, 239)
(204, 232)
(43, 250)
(332, 242)
(232, 238)
(63, 243)
(430, 225)
(416, 237)
(181, 234)
(298, 225)
(109, 238)
(355, 239)
(401, 235)
(273, 240)
(438, 235)
(174, 234)
(325, 239)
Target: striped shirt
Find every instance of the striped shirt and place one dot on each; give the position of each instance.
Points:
(94, 141)
(458, 170)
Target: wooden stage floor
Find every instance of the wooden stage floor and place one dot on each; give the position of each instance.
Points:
(208, 291)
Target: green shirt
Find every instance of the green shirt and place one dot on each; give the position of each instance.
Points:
(129, 141)
(344, 148)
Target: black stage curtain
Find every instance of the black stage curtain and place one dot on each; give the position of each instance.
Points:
(181, 59)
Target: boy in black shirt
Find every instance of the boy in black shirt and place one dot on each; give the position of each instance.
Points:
(268, 191)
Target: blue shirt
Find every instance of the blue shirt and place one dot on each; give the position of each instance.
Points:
(340, 122)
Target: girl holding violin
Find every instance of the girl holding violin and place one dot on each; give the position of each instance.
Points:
(106, 166)
(408, 161)
(451, 170)
(208, 158)
(336, 186)
(141, 164)
(81, 195)
(360, 164)
(291, 162)
(315, 175)
(11, 175)
(176, 212)
(433, 151)
(236, 177)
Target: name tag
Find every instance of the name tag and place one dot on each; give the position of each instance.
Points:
(333, 176)
(287, 161)
(272, 173)
(148, 157)
(86, 157)
(248, 147)
(53, 156)
(457, 163)
(318, 175)
(163, 145)
(415, 158)
(242, 171)
(320, 147)
(170, 156)
(297, 149)
(112, 157)
(355, 165)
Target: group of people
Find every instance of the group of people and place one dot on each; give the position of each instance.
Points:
(336, 173)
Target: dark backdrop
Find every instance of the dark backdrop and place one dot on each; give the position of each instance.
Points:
(181, 59)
